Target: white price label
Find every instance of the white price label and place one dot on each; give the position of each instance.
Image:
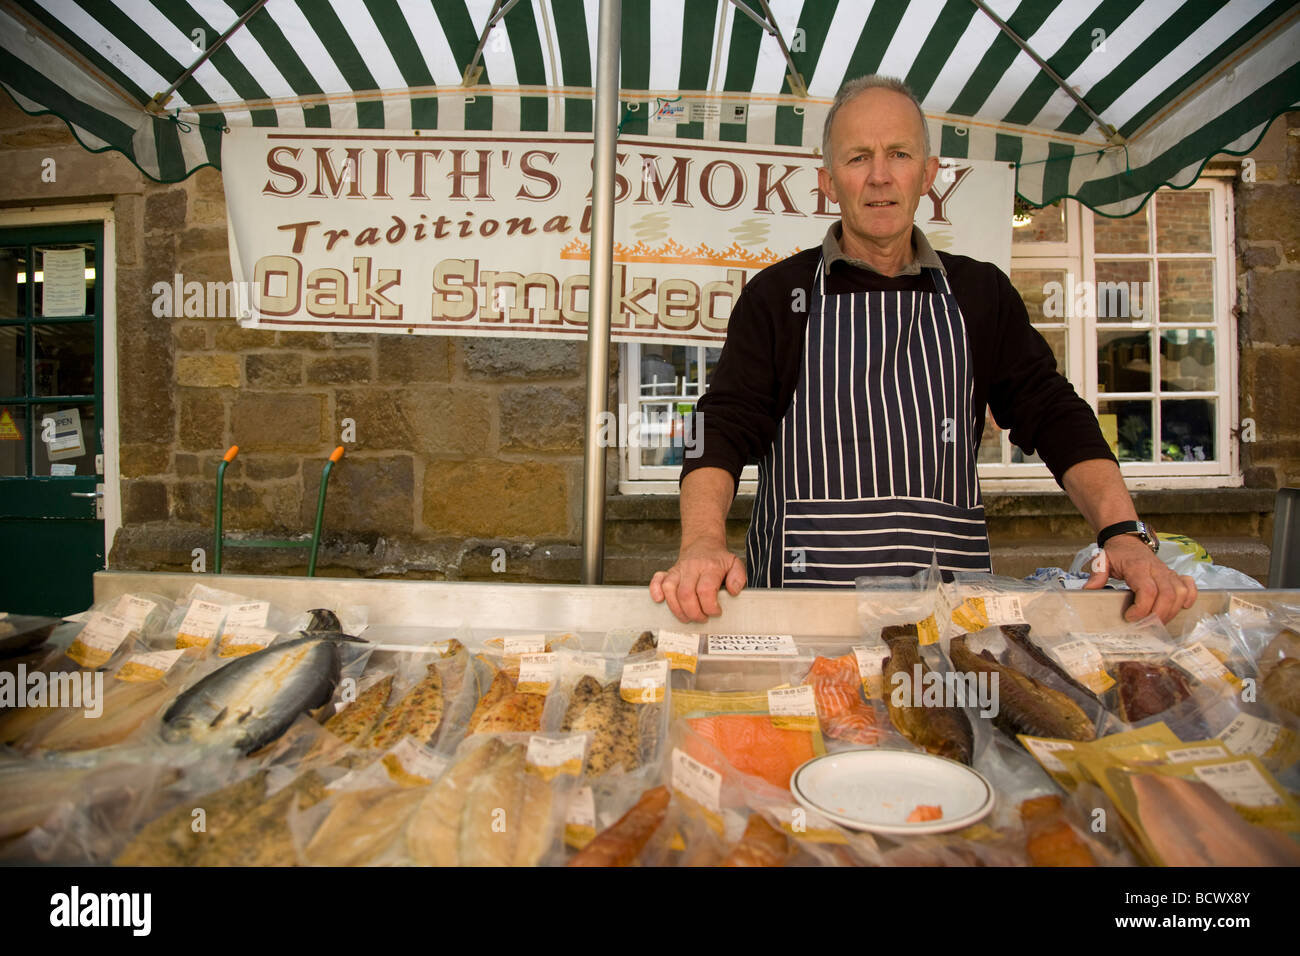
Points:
(1044, 751)
(409, 763)
(522, 644)
(244, 637)
(1192, 754)
(253, 614)
(644, 682)
(696, 781)
(150, 666)
(682, 651)
(105, 632)
(1135, 646)
(871, 659)
(1197, 660)
(792, 702)
(202, 623)
(1084, 663)
(581, 811)
(1239, 783)
(1247, 612)
(1004, 609)
(537, 671)
(135, 609)
(752, 645)
(1248, 734)
(562, 753)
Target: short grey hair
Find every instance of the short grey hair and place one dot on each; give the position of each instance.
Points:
(861, 84)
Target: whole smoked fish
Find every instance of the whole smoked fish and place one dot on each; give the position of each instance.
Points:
(942, 731)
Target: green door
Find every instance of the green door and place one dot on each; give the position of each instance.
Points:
(51, 417)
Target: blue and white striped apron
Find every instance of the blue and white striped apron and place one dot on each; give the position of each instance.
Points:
(873, 469)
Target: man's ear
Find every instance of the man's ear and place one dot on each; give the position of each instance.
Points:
(931, 171)
(827, 185)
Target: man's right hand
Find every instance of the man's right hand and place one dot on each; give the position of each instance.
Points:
(691, 585)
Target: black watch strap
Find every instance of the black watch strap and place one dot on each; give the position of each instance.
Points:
(1139, 528)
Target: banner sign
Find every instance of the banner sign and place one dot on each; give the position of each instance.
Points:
(490, 234)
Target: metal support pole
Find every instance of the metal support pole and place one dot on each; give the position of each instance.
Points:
(605, 133)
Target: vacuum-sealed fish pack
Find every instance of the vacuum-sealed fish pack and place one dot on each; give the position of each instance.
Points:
(500, 802)
(622, 700)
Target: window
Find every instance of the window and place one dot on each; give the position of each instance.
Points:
(1138, 312)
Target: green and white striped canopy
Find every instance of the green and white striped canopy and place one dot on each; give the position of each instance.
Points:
(1102, 100)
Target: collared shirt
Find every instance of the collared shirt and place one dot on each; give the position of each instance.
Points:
(923, 254)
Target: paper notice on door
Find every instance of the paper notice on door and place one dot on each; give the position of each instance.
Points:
(61, 432)
(64, 282)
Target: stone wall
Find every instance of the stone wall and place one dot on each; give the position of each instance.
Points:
(467, 458)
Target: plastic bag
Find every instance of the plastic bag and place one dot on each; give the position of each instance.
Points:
(1183, 556)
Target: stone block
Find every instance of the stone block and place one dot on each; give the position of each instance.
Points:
(1259, 476)
(205, 241)
(128, 212)
(135, 461)
(414, 358)
(499, 499)
(303, 340)
(377, 416)
(207, 183)
(266, 509)
(262, 468)
(164, 212)
(209, 370)
(364, 494)
(519, 358)
(352, 340)
(447, 421)
(189, 337)
(1270, 380)
(340, 370)
(185, 466)
(541, 418)
(234, 338)
(1262, 256)
(143, 501)
(146, 409)
(203, 420)
(1274, 307)
(273, 369)
(278, 422)
(195, 502)
(159, 263)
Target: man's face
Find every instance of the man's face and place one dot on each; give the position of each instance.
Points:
(877, 172)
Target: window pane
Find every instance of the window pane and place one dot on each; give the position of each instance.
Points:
(13, 360)
(1035, 286)
(83, 302)
(1187, 290)
(13, 445)
(1183, 221)
(1127, 426)
(990, 441)
(1057, 342)
(711, 357)
(1187, 430)
(65, 358)
(1186, 360)
(663, 369)
(13, 282)
(67, 437)
(1123, 361)
(659, 432)
(1045, 225)
(1120, 235)
(1124, 290)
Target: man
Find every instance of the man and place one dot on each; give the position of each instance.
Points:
(858, 372)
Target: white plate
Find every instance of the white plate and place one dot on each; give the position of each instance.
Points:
(875, 790)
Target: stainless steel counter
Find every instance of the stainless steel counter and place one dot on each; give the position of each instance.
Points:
(808, 614)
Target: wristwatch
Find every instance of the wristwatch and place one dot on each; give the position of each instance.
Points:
(1141, 529)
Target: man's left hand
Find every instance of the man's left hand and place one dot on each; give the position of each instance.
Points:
(1156, 588)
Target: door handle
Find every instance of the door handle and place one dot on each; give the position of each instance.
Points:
(97, 494)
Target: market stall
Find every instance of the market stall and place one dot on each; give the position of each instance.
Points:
(500, 724)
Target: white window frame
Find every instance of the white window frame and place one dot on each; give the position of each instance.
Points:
(1077, 255)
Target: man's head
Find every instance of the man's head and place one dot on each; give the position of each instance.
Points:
(876, 163)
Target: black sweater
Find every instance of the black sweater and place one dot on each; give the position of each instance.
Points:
(1015, 370)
